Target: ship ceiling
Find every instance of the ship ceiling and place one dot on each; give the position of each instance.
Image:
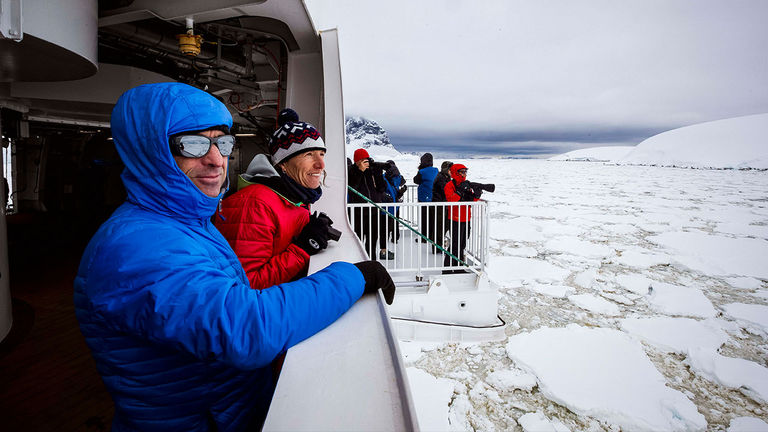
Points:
(239, 62)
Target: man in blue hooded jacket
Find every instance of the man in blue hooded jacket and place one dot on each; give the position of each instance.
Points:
(179, 338)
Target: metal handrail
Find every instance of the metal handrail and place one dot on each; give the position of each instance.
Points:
(414, 252)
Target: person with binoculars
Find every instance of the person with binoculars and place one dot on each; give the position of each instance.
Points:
(459, 189)
(268, 223)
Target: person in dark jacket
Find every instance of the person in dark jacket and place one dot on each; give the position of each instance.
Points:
(180, 339)
(268, 221)
(425, 179)
(368, 179)
(396, 188)
(438, 195)
(459, 190)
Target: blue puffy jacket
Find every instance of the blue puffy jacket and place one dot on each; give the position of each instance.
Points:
(179, 338)
(425, 179)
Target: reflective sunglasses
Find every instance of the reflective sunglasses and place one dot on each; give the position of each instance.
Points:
(197, 146)
(462, 171)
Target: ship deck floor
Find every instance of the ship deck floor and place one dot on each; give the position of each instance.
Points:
(48, 379)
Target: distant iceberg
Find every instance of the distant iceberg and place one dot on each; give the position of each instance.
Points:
(740, 142)
(595, 154)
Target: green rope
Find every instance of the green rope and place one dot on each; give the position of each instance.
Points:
(405, 224)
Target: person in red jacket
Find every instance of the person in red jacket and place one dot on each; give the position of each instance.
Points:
(459, 190)
(268, 222)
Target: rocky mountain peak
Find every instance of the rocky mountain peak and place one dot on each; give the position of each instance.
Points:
(364, 133)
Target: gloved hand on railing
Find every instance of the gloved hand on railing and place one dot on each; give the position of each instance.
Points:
(376, 276)
(314, 236)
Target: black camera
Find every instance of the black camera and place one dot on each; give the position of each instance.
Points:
(383, 166)
(488, 187)
(333, 233)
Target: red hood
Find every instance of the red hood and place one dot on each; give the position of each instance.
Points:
(455, 172)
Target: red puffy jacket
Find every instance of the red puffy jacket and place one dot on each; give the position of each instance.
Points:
(458, 213)
(260, 225)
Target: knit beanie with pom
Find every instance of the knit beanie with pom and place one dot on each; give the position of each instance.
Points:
(293, 137)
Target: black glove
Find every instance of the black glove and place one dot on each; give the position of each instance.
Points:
(376, 277)
(314, 236)
(464, 189)
(400, 192)
(478, 193)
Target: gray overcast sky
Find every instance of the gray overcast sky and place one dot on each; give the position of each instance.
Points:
(543, 76)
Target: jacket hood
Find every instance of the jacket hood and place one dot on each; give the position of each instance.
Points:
(142, 120)
(259, 170)
(426, 160)
(455, 172)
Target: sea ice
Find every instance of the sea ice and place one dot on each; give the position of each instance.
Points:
(538, 422)
(595, 304)
(579, 368)
(618, 298)
(635, 283)
(759, 231)
(717, 255)
(747, 424)
(744, 282)
(521, 229)
(753, 314)
(697, 218)
(620, 229)
(525, 251)
(412, 351)
(557, 291)
(679, 300)
(678, 335)
(586, 278)
(501, 270)
(578, 247)
(431, 397)
(637, 259)
(748, 377)
(508, 380)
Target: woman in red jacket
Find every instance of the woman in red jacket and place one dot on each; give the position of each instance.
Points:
(459, 190)
(267, 222)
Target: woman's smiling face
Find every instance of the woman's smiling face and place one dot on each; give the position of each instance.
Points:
(306, 168)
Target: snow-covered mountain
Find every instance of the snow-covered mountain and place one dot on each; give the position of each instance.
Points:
(738, 142)
(730, 143)
(366, 133)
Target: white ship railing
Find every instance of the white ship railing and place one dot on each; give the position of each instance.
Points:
(418, 243)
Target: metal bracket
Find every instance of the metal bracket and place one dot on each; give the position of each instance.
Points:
(10, 20)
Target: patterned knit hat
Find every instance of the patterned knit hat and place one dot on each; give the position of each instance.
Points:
(292, 137)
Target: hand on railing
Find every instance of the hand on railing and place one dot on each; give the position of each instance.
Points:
(376, 277)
